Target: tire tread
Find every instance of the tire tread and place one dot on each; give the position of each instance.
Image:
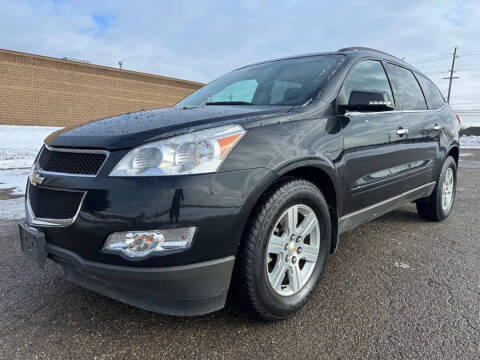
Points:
(430, 208)
(245, 277)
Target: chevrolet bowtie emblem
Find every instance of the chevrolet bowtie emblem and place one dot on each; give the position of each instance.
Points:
(36, 179)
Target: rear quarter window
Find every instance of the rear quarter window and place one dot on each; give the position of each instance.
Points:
(434, 97)
(406, 90)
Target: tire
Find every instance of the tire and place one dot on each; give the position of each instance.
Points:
(432, 208)
(257, 268)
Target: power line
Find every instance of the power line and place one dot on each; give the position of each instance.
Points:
(466, 95)
(465, 102)
(437, 72)
(430, 60)
(472, 50)
(440, 57)
(429, 57)
(469, 65)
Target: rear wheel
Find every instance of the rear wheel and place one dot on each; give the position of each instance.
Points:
(439, 204)
(284, 250)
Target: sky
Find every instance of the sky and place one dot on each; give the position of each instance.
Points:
(201, 40)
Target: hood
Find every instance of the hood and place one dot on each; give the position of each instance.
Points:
(132, 129)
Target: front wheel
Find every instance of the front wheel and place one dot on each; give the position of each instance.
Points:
(439, 204)
(284, 250)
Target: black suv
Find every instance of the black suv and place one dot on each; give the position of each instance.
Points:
(245, 185)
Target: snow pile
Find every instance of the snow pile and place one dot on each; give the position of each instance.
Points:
(18, 147)
(19, 144)
(470, 141)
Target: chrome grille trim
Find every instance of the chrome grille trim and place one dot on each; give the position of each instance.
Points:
(32, 220)
(84, 151)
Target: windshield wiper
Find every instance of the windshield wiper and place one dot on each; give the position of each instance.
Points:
(228, 103)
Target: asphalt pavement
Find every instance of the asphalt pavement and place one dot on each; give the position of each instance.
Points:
(398, 287)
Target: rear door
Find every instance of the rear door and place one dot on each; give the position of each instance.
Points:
(419, 152)
(374, 143)
(434, 124)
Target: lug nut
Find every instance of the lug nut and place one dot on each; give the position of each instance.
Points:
(287, 258)
(299, 250)
(294, 260)
(286, 246)
(292, 237)
(299, 239)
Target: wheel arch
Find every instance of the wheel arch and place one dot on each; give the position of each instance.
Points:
(454, 152)
(321, 173)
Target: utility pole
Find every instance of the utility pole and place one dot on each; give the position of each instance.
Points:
(451, 77)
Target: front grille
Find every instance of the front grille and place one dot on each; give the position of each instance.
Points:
(54, 204)
(74, 162)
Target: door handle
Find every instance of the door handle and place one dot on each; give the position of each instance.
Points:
(437, 127)
(402, 131)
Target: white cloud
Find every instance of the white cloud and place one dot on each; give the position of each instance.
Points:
(200, 40)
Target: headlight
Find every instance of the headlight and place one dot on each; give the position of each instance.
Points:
(140, 244)
(195, 153)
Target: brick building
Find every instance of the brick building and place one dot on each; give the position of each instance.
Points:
(39, 90)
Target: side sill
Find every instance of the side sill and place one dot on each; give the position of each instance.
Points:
(362, 216)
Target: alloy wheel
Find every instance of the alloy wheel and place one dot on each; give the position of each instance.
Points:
(447, 189)
(292, 250)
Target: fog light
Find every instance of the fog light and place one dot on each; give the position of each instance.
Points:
(139, 244)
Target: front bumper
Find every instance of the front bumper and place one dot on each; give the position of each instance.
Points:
(186, 290)
(194, 281)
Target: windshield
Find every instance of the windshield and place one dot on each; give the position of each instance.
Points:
(283, 82)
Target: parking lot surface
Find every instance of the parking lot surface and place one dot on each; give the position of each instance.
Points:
(398, 287)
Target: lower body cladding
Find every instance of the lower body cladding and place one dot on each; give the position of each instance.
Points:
(193, 281)
(185, 290)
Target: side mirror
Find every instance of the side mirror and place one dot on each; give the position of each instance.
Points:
(368, 100)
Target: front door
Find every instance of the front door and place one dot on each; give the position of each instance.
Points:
(374, 144)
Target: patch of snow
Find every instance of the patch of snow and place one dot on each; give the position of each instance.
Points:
(470, 141)
(19, 146)
(12, 209)
(14, 179)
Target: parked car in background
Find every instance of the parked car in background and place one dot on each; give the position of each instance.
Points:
(243, 186)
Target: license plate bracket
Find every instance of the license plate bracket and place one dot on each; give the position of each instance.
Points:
(33, 243)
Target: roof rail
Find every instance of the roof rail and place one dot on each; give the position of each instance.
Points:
(361, 48)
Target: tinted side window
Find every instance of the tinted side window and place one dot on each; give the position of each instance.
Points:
(367, 75)
(433, 95)
(407, 92)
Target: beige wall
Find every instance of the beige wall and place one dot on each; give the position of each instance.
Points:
(37, 90)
